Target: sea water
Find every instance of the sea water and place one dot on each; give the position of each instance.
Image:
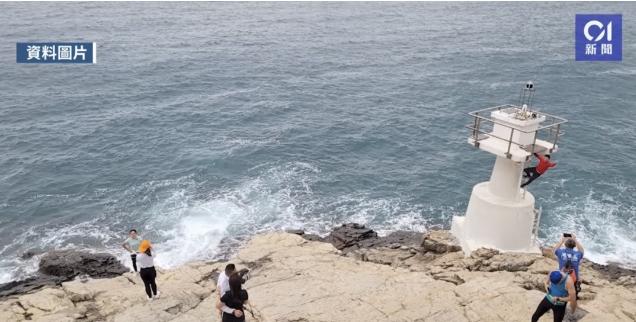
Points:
(204, 121)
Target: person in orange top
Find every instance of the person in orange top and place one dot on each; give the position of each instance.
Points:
(533, 173)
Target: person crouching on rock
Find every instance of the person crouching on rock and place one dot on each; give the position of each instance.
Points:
(560, 291)
(147, 269)
(234, 299)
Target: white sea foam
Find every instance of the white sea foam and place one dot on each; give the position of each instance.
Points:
(196, 234)
(183, 227)
(603, 226)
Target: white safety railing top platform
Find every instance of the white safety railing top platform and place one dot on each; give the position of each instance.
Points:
(545, 137)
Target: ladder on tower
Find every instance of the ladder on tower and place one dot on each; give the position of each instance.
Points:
(535, 224)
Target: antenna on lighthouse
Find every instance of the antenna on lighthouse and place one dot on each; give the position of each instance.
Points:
(527, 94)
(525, 102)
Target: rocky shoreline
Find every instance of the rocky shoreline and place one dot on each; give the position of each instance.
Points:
(350, 275)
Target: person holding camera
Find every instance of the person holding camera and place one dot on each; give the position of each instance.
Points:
(570, 258)
(223, 285)
(235, 299)
(147, 269)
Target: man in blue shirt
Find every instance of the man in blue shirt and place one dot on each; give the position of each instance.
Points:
(569, 258)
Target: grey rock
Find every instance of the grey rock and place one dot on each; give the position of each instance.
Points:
(299, 232)
(69, 264)
(484, 253)
(57, 267)
(440, 242)
(611, 271)
(349, 235)
(313, 237)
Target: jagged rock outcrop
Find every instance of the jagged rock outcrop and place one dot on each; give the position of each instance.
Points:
(60, 266)
(293, 279)
(349, 235)
(440, 242)
(69, 264)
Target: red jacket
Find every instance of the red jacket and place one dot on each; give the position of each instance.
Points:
(544, 164)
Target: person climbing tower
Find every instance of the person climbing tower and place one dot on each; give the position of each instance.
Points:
(533, 173)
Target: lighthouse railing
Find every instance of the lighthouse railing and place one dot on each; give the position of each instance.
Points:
(552, 125)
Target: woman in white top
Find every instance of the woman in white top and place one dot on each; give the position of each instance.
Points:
(147, 269)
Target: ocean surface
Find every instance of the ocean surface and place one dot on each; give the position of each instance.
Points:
(204, 121)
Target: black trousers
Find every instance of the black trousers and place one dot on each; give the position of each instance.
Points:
(134, 261)
(148, 275)
(558, 311)
(532, 175)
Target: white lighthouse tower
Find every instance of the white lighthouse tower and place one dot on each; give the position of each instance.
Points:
(500, 214)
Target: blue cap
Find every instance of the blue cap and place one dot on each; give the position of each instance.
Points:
(555, 277)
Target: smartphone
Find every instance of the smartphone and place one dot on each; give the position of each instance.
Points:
(567, 235)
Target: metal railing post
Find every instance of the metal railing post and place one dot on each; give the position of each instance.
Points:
(534, 142)
(556, 136)
(476, 128)
(508, 155)
(537, 222)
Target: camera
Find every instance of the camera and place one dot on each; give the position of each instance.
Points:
(244, 274)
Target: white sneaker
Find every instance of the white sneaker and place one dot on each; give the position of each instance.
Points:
(150, 299)
(157, 295)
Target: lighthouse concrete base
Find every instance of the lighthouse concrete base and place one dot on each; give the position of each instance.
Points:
(495, 222)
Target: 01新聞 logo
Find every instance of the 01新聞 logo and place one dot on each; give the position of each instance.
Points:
(598, 37)
(56, 52)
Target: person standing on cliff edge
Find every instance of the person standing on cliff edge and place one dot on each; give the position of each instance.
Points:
(223, 286)
(131, 244)
(147, 270)
(569, 258)
(235, 299)
(560, 291)
(533, 173)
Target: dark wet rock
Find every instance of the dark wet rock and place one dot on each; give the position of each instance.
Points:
(31, 253)
(440, 242)
(57, 267)
(613, 272)
(313, 237)
(397, 239)
(28, 285)
(69, 264)
(350, 235)
(299, 232)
